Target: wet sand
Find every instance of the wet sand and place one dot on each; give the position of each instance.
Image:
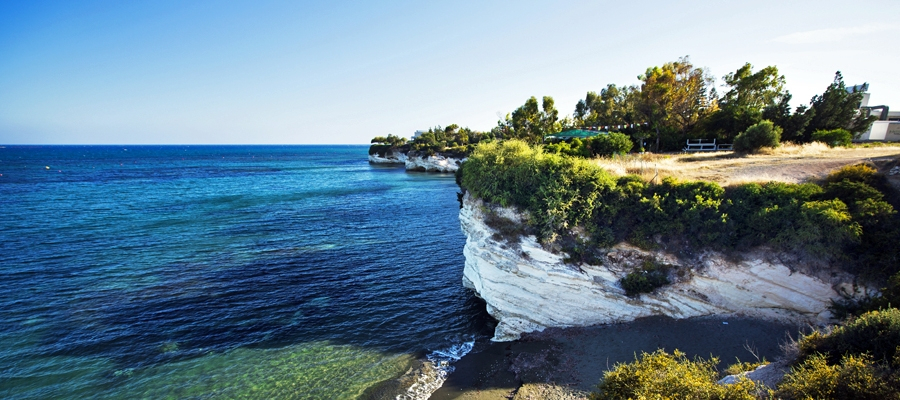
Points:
(568, 363)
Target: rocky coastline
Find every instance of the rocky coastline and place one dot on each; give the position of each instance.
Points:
(419, 162)
(528, 288)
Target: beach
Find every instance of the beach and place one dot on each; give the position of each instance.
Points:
(567, 363)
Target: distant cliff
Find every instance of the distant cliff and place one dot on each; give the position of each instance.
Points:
(528, 288)
(415, 161)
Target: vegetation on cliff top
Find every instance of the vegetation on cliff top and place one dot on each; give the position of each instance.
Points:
(847, 219)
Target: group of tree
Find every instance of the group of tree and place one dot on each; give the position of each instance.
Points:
(672, 103)
(678, 101)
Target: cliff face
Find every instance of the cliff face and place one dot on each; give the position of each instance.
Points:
(435, 163)
(527, 288)
(414, 162)
(390, 157)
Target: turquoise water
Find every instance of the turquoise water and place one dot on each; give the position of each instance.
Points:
(223, 272)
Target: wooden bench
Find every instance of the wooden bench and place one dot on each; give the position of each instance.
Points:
(705, 145)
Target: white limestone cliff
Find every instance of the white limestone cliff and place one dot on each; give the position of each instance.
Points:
(414, 162)
(435, 163)
(390, 157)
(528, 288)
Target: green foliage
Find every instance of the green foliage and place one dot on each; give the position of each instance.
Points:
(381, 145)
(859, 360)
(559, 192)
(833, 138)
(854, 377)
(750, 96)
(690, 209)
(741, 367)
(675, 98)
(604, 145)
(660, 375)
(757, 213)
(864, 191)
(838, 222)
(856, 173)
(650, 276)
(389, 140)
(837, 108)
(610, 144)
(451, 140)
(529, 122)
(763, 134)
(876, 333)
(613, 106)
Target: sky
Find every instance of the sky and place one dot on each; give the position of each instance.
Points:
(336, 72)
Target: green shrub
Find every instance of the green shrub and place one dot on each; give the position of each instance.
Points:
(741, 367)
(380, 149)
(763, 134)
(855, 377)
(660, 375)
(690, 209)
(856, 173)
(609, 144)
(559, 192)
(758, 212)
(848, 220)
(650, 276)
(833, 138)
(876, 333)
(859, 360)
(823, 228)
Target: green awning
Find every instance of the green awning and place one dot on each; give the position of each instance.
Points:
(576, 133)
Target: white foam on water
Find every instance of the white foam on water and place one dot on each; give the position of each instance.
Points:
(431, 376)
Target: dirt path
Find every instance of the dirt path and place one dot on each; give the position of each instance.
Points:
(792, 164)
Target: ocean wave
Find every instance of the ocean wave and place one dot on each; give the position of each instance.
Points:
(435, 371)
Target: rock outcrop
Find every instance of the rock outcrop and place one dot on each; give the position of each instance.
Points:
(435, 163)
(390, 157)
(528, 288)
(416, 162)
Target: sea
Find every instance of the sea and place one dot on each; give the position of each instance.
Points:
(206, 272)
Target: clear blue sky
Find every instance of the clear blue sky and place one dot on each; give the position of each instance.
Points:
(340, 72)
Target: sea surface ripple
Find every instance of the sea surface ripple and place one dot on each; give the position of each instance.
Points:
(223, 272)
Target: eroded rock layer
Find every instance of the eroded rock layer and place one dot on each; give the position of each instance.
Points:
(528, 288)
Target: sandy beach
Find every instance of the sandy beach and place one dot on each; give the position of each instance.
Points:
(568, 363)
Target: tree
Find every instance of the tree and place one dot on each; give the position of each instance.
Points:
(762, 134)
(750, 95)
(390, 140)
(613, 106)
(530, 122)
(674, 97)
(793, 125)
(838, 108)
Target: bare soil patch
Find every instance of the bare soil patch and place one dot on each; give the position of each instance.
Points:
(789, 163)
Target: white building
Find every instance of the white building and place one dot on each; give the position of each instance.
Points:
(887, 127)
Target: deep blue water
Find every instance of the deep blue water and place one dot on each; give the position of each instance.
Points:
(222, 271)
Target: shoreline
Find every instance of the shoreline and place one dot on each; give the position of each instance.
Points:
(568, 363)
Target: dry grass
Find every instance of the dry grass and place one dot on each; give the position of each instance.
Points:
(788, 163)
